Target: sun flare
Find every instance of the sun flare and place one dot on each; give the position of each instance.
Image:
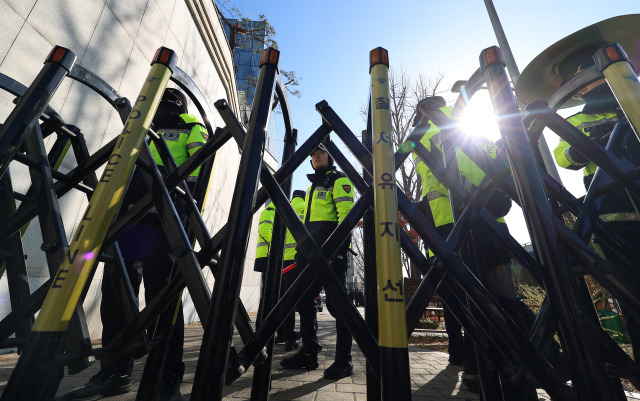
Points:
(479, 119)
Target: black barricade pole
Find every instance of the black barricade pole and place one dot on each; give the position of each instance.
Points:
(37, 361)
(394, 355)
(370, 286)
(26, 113)
(262, 374)
(14, 259)
(210, 371)
(512, 339)
(588, 374)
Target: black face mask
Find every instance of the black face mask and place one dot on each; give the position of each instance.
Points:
(168, 114)
(599, 100)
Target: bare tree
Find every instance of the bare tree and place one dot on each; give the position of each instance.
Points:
(404, 94)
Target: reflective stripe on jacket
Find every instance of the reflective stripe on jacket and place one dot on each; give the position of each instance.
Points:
(435, 192)
(182, 142)
(265, 229)
(585, 123)
(328, 201)
(290, 242)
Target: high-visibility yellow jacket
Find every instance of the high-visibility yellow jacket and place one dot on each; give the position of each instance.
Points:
(585, 123)
(183, 141)
(616, 208)
(290, 242)
(328, 201)
(432, 189)
(265, 229)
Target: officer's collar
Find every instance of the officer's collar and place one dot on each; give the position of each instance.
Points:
(321, 173)
(599, 100)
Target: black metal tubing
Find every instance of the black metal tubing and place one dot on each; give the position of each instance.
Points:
(318, 268)
(616, 167)
(30, 106)
(515, 342)
(620, 282)
(171, 181)
(588, 373)
(185, 257)
(54, 240)
(211, 369)
(235, 129)
(613, 280)
(374, 391)
(17, 278)
(262, 375)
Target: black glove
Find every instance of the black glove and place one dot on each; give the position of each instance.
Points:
(577, 157)
(601, 140)
(499, 203)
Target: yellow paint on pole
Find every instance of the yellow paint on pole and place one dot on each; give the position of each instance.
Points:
(622, 80)
(391, 291)
(85, 245)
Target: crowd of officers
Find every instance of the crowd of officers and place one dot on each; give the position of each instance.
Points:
(322, 207)
(327, 202)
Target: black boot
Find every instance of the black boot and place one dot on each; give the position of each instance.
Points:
(290, 345)
(170, 389)
(300, 360)
(99, 386)
(341, 367)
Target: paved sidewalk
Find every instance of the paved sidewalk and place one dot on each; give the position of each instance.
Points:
(432, 378)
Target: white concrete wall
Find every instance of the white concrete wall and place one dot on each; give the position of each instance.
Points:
(116, 39)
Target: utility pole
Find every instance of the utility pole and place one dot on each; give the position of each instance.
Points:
(514, 74)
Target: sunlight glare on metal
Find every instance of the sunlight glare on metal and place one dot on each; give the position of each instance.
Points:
(479, 119)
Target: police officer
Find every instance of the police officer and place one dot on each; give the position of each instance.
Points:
(494, 261)
(265, 230)
(290, 273)
(327, 202)
(596, 120)
(147, 254)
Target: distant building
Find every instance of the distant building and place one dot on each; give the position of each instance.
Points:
(249, 41)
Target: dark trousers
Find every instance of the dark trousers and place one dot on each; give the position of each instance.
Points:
(147, 256)
(287, 329)
(308, 311)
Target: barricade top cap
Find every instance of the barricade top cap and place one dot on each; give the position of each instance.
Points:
(560, 61)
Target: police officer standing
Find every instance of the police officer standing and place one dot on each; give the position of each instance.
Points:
(327, 202)
(147, 254)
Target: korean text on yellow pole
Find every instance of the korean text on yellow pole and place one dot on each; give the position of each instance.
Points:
(71, 277)
(391, 312)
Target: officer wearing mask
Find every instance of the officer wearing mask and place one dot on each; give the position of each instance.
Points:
(327, 202)
(147, 254)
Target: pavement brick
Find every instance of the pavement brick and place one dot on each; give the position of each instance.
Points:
(432, 378)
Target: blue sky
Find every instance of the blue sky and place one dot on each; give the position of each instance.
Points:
(327, 43)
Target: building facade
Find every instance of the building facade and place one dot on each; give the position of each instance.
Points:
(116, 40)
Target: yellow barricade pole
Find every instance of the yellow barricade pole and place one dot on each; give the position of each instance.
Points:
(614, 64)
(36, 364)
(394, 356)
